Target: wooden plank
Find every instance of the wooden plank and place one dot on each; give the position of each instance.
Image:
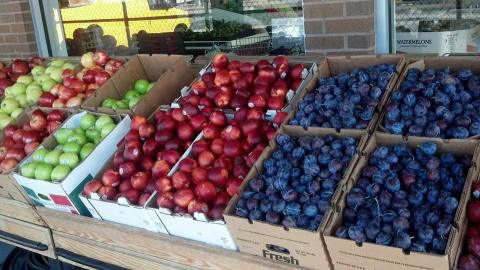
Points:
(22, 232)
(167, 250)
(20, 211)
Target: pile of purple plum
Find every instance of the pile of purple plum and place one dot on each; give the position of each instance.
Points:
(405, 198)
(298, 181)
(435, 103)
(348, 100)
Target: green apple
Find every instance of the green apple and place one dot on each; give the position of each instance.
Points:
(108, 103)
(49, 69)
(39, 155)
(150, 86)
(120, 104)
(16, 113)
(103, 120)
(33, 95)
(59, 147)
(43, 171)
(22, 100)
(8, 92)
(52, 157)
(106, 129)
(131, 93)
(80, 131)
(57, 63)
(56, 75)
(68, 66)
(37, 71)
(42, 78)
(87, 121)
(81, 139)
(4, 121)
(28, 170)
(72, 147)
(133, 101)
(93, 135)
(48, 84)
(25, 79)
(18, 89)
(8, 105)
(141, 86)
(60, 172)
(69, 159)
(62, 135)
(32, 86)
(86, 150)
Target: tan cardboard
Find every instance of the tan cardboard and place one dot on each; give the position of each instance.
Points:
(455, 63)
(168, 72)
(334, 65)
(293, 246)
(346, 254)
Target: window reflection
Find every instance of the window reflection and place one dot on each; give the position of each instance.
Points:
(244, 27)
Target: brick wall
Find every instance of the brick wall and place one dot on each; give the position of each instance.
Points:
(339, 26)
(17, 37)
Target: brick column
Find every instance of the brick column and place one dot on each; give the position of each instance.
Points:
(339, 26)
(17, 37)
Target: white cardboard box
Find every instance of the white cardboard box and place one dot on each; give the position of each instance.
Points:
(63, 195)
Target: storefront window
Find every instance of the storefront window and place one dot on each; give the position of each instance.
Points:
(438, 26)
(243, 27)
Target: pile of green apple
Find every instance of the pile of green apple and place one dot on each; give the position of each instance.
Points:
(74, 145)
(131, 97)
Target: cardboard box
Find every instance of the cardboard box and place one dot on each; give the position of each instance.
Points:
(121, 211)
(346, 254)
(454, 63)
(292, 246)
(168, 72)
(8, 186)
(334, 65)
(197, 227)
(292, 96)
(63, 196)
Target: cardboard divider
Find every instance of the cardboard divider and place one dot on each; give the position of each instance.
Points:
(63, 195)
(455, 64)
(334, 65)
(296, 246)
(167, 72)
(8, 186)
(346, 253)
(293, 97)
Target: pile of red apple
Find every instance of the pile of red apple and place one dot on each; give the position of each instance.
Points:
(150, 151)
(233, 84)
(471, 259)
(9, 74)
(217, 164)
(20, 141)
(76, 86)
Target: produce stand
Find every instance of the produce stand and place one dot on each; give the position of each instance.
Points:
(94, 243)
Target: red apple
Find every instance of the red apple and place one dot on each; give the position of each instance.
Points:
(146, 164)
(38, 123)
(187, 165)
(240, 171)
(252, 157)
(137, 121)
(89, 76)
(263, 63)
(66, 93)
(295, 84)
(162, 136)
(143, 198)
(133, 151)
(240, 115)
(166, 123)
(235, 75)
(100, 57)
(206, 159)
(177, 115)
(208, 78)
(198, 121)
(9, 130)
(211, 92)
(163, 184)
(111, 178)
(113, 65)
(127, 169)
(174, 144)
(199, 174)
(279, 89)
(222, 198)
(101, 77)
(31, 136)
(297, 71)
(160, 168)
(185, 132)
(91, 187)
(199, 87)
(233, 186)
(190, 109)
(166, 200)
(247, 68)
(198, 147)
(235, 64)
(220, 61)
(16, 154)
(132, 196)
(205, 191)
(171, 156)
(190, 99)
(30, 147)
(211, 132)
(216, 212)
(139, 180)
(58, 103)
(222, 78)
(124, 185)
(146, 131)
(281, 65)
(197, 206)
(238, 102)
(180, 180)
(218, 176)
(20, 67)
(183, 197)
(231, 132)
(18, 135)
(132, 135)
(150, 147)
(55, 115)
(118, 159)
(107, 193)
